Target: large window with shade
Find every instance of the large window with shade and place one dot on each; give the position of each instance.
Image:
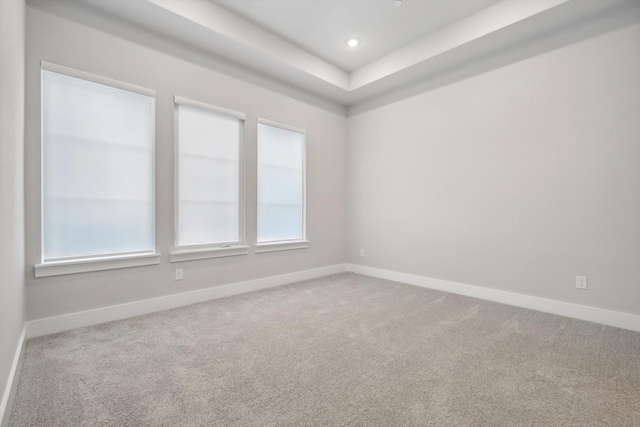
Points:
(281, 184)
(97, 167)
(209, 196)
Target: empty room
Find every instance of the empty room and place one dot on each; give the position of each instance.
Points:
(319, 213)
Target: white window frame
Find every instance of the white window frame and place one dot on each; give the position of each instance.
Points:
(72, 265)
(291, 244)
(207, 250)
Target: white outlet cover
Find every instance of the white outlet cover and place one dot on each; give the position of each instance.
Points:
(178, 274)
(581, 282)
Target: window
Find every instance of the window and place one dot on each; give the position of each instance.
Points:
(281, 186)
(209, 185)
(97, 172)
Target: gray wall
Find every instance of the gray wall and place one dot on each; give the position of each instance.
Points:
(518, 179)
(12, 278)
(52, 38)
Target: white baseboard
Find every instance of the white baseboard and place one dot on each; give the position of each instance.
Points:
(576, 311)
(51, 325)
(12, 381)
(65, 322)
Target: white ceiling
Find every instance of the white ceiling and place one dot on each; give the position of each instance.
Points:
(321, 27)
(297, 46)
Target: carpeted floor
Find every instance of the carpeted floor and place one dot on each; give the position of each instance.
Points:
(340, 350)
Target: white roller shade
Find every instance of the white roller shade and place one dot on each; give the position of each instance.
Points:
(281, 184)
(208, 176)
(98, 169)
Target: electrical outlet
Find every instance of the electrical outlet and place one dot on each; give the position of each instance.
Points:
(362, 253)
(581, 282)
(178, 274)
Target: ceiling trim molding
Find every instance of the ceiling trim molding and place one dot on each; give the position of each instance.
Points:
(487, 21)
(226, 24)
(84, 14)
(202, 32)
(611, 19)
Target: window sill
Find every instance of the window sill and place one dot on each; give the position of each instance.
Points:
(281, 246)
(196, 254)
(58, 268)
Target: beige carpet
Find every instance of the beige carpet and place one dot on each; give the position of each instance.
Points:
(341, 350)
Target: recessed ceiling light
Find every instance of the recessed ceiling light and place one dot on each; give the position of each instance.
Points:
(353, 42)
(397, 3)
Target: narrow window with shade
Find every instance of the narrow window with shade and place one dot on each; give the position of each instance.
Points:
(209, 181)
(281, 187)
(98, 191)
